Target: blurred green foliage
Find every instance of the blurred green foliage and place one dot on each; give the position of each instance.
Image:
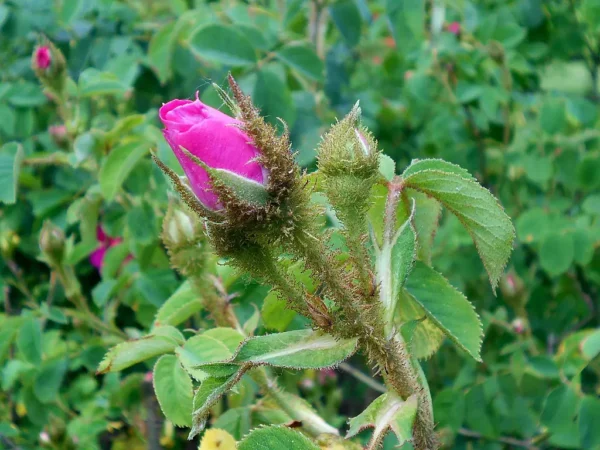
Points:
(513, 96)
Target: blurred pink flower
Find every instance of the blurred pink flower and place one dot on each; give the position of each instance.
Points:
(215, 139)
(106, 242)
(326, 374)
(454, 28)
(43, 57)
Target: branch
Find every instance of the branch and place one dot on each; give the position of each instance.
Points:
(373, 384)
(528, 443)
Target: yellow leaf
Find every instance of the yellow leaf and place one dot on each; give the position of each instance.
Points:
(215, 439)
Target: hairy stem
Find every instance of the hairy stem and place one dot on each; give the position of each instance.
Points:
(223, 316)
(404, 374)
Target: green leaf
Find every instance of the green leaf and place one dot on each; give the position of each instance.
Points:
(476, 208)
(275, 313)
(427, 219)
(276, 438)
(394, 263)
(141, 222)
(557, 253)
(49, 379)
(215, 345)
(118, 164)
(179, 307)
(92, 83)
(420, 165)
(174, 391)
(222, 44)
(448, 308)
(302, 59)
(160, 51)
(27, 95)
(207, 395)
(423, 336)
(386, 412)
(162, 340)
(467, 92)
(272, 96)
(300, 410)
(9, 327)
(407, 21)
(29, 340)
(300, 349)
(387, 167)
(589, 418)
(553, 118)
(558, 416)
(403, 255)
(11, 156)
(236, 421)
(346, 17)
(69, 10)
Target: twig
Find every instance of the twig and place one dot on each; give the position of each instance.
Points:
(503, 439)
(373, 384)
(154, 420)
(317, 26)
(480, 144)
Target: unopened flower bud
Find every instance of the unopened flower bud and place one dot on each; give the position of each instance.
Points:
(52, 243)
(513, 290)
(518, 325)
(349, 149)
(184, 238)
(216, 140)
(42, 58)
(50, 66)
(44, 437)
(180, 227)
(58, 133)
(454, 28)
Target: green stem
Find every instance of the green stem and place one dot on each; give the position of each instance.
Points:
(404, 374)
(312, 423)
(68, 279)
(293, 406)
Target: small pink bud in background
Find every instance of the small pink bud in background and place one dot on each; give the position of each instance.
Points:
(215, 139)
(148, 377)
(408, 75)
(326, 374)
(58, 133)
(454, 28)
(44, 437)
(307, 384)
(518, 325)
(42, 57)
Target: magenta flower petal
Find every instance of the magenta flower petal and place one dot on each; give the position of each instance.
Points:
(97, 257)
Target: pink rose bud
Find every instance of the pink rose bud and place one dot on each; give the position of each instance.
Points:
(43, 57)
(454, 28)
(212, 137)
(518, 325)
